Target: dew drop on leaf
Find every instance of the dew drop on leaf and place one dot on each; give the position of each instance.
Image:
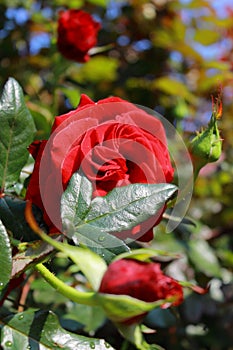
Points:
(20, 317)
(92, 345)
(8, 344)
(101, 238)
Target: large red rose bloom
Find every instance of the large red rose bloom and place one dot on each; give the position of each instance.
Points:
(112, 142)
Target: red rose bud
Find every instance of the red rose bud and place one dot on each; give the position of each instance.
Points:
(206, 147)
(141, 280)
(77, 34)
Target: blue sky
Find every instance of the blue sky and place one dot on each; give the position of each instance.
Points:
(218, 4)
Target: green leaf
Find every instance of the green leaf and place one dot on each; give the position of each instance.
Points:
(12, 215)
(41, 119)
(127, 206)
(73, 95)
(28, 255)
(204, 258)
(75, 204)
(71, 4)
(5, 257)
(99, 68)
(170, 86)
(206, 36)
(41, 329)
(44, 294)
(16, 133)
(121, 209)
(220, 65)
(144, 254)
(92, 317)
(76, 200)
(102, 243)
(91, 264)
(102, 3)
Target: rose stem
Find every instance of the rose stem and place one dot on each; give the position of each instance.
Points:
(87, 298)
(69, 292)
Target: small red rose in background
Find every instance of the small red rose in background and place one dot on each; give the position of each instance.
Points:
(113, 142)
(77, 34)
(141, 280)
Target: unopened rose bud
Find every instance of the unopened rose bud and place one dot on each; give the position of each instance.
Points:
(206, 147)
(144, 281)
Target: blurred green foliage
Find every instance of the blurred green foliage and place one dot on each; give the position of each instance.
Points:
(170, 56)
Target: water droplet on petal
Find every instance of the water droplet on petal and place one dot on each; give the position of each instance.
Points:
(107, 345)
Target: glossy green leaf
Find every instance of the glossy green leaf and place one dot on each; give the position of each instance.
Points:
(5, 257)
(41, 330)
(121, 209)
(12, 215)
(16, 133)
(204, 258)
(76, 200)
(75, 204)
(125, 207)
(104, 244)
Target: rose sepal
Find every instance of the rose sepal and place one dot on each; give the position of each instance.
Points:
(133, 334)
(123, 308)
(145, 254)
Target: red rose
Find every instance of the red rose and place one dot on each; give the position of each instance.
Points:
(141, 280)
(77, 34)
(112, 142)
